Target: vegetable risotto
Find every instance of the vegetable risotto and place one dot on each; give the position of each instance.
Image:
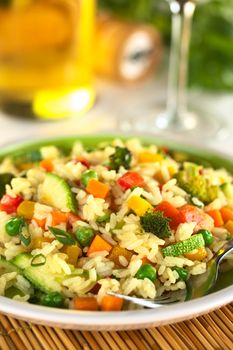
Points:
(123, 217)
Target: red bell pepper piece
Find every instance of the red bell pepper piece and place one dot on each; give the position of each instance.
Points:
(130, 179)
(10, 204)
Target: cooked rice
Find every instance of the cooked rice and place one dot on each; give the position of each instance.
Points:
(97, 273)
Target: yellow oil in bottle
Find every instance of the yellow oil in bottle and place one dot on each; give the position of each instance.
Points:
(45, 55)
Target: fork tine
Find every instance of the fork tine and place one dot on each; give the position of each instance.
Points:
(139, 301)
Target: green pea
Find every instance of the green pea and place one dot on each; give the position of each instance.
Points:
(146, 271)
(84, 236)
(14, 226)
(87, 176)
(183, 273)
(53, 299)
(103, 218)
(207, 236)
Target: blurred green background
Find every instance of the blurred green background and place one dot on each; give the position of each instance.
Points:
(211, 55)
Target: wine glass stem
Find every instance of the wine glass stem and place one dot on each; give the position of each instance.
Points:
(182, 14)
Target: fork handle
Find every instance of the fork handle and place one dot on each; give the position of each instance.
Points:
(226, 249)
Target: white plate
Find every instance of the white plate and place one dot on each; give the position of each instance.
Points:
(123, 320)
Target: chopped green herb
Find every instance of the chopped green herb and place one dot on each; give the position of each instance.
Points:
(62, 236)
(38, 260)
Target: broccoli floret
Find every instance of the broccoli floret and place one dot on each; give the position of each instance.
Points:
(156, 223)
(121, 157)
(197, 186)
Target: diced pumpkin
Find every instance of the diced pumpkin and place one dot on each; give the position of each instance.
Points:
(98, 244)
(86, 304)
(118, 251)
(139, 205)
(149, 157)
(111, 303)
(26, 209)
(73, 252)
(229, 226)
(197, 254)
(39, 240)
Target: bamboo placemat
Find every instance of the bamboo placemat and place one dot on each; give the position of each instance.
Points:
(207, 332)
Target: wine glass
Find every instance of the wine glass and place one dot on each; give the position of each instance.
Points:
(177, 119)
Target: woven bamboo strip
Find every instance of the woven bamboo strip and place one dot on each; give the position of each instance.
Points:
(226, 318)
(81, 340)
(36, 330)
(54, 338)
(202, 329)
(216, 333)
(50, 341)
(222, 336)
(100, 340)
(223, 323)
(190, 330)
(229, 314)
(71, 336)
(139, 342)
(159, 339)
(120, 342)
(91, 340)
(194, 327)
(3, 343)
(64, 339)
(126, 339)
(30, 336)
(183, 336)
(194, 343)
(11, 332)
(149, 340)
(20, 331)
(176, 337)
(170, 337)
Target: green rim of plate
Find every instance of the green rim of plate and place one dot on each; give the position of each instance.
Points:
(215, 159)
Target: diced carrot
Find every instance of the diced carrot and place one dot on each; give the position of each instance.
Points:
(73, 252)
(217, 216)
(47, 165)
(86, 304)
(149, 157)
(227, 214)
(97, 189)
(170, 212)
(229, 226)
(72, 218)
(145, 260)
(98, 244)
(111, 303)
(40, 222)
(58, 217)
(197, 254)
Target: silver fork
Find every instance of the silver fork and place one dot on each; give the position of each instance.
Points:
(196, 287)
